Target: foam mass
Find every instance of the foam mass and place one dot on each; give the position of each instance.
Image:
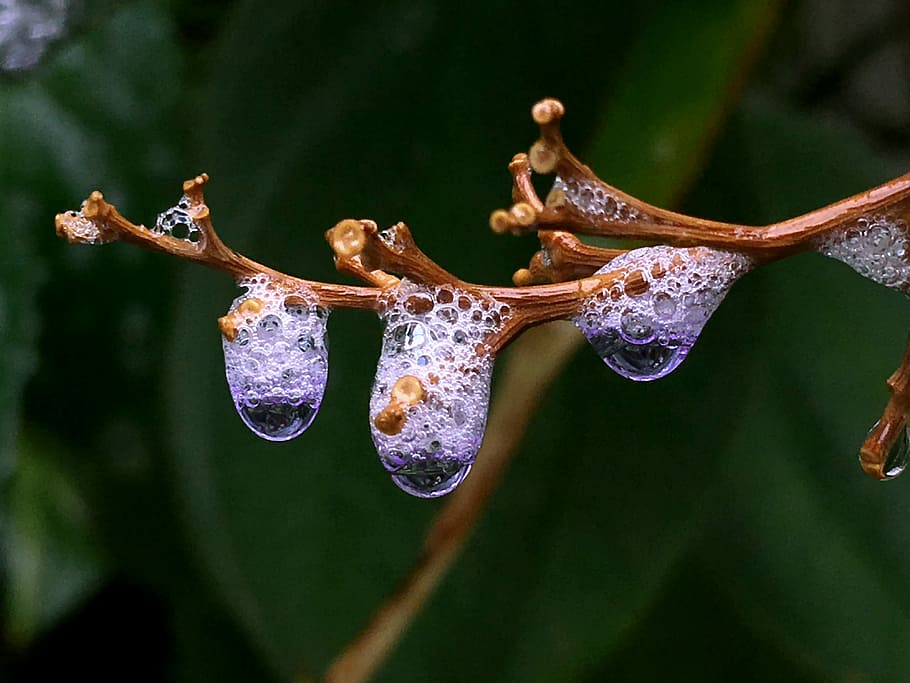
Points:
(643, 332)
(438, 335)
(876, 247)
(277, 361)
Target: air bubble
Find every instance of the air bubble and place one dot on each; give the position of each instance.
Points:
(278, 421)
(177, 223)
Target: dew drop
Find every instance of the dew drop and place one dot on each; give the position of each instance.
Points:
(875, 246)
(431, 478)
(898, 457)
(640, 362)
(278, 421)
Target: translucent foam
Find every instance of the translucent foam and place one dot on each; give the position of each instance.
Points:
(177, 223)
(876, 247)
(27, 29)
(82, 230)
(645, 332)
(438, 335)
(277, 362)
(594, 201)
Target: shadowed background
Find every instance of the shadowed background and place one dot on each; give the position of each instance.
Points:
(711, 526)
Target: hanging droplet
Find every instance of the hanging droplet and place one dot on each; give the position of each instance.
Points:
(898, 456)
(276, 358)
(645, 332)
(641, 362)
(428, 407)
(278, 421)
(431, 479)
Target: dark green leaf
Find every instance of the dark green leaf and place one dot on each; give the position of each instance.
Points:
(813, 551)
(52, 562)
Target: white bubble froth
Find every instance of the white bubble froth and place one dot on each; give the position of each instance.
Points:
(83, 230)
(279, 356)
(177, 223)
(647, 335)
(433, 334)
(875, 247)
(594, 201)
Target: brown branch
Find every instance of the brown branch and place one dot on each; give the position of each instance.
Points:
(99, 222)
(580, 202)
(524, 383)
(364, 252)
(888, 432)
(583, 203)
(563, 257)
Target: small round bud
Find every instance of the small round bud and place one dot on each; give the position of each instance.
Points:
(522, 278)
(228, 327)
(249, 307)
(408, 390)
(347, 238)
(546, 111)
(501, 221)
(556, 199)
(391, 419)
(543, 159)
(523, 213)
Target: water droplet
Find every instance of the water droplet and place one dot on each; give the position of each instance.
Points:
(898, 457)
(639, 362)
(875, 246)
(431, 478)
(278, 421)
(277, 364)
(407, 336)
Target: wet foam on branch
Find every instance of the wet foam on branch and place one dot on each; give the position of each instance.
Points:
(867, 231)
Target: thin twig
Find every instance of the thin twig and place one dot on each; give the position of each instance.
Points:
(523, 385)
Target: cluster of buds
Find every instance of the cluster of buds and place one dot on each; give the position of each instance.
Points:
(642, 310)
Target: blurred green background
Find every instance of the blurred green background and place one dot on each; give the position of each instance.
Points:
(713, 526)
